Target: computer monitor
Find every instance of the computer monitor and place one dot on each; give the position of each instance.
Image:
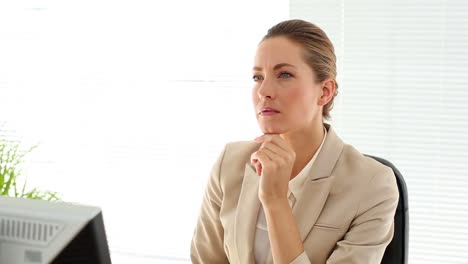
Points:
(42, 232)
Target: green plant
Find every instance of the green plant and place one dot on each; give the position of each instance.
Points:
(11, 159)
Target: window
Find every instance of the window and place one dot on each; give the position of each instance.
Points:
(402, 75)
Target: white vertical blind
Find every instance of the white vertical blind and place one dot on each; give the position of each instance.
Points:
(131, 102)
(403, 89)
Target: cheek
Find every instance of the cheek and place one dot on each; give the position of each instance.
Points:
(296, 98)
(301, 102)
(255, 98)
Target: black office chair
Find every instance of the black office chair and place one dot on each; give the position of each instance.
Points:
(397, 250)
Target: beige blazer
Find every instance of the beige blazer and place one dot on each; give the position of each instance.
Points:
(345, 214)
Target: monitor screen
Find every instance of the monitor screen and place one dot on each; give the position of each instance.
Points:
(40, 232)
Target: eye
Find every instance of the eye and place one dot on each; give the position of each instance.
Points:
(257, 78)
(285, 75)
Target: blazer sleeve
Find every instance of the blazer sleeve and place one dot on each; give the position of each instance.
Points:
(372, 228)
(207, 243)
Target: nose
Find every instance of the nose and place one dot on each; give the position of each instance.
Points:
(266, 90)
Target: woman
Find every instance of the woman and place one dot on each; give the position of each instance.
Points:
(296, 194)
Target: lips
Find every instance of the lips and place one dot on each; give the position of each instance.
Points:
(269, 110)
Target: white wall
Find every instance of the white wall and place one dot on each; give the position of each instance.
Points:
(131, 102)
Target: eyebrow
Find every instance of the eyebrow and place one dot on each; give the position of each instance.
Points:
(277, 66)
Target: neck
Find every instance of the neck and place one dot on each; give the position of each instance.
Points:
(305, 143)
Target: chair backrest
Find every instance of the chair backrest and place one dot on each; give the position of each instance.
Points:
(397, 250)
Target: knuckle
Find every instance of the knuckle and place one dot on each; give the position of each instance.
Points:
(283, 161)
(292, 156)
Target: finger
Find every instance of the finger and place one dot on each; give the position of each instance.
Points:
(260, 160)
(280, 142)
(272, 160)
(275, 139)
(280, 156)
(258, 165)
(262, 137)
(274, 148)
(272, 155)
(259, 169)
(259, 156)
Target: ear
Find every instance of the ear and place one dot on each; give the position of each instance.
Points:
(328, 91)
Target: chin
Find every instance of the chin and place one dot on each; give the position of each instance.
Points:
(272, 130)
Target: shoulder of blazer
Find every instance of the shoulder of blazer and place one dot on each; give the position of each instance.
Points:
(236, 158)
(238, 153)
(363, 177)
(242, 148)
(358, 165)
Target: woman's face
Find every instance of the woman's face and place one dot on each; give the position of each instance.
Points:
(285, 83)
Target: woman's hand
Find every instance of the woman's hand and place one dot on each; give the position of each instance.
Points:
(274, 162)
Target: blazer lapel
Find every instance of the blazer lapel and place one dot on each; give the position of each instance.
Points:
(309, 206)
(318, 184)
(246, 215)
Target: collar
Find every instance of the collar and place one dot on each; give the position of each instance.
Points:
(296, 184)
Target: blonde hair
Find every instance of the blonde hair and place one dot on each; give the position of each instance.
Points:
(319, 53)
